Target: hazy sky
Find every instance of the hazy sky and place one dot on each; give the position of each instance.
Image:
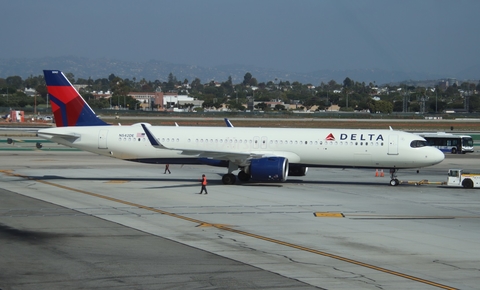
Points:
(433, 36)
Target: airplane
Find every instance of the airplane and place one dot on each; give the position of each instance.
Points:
(259, 154)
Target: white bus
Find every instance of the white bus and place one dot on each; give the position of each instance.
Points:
(449, 143)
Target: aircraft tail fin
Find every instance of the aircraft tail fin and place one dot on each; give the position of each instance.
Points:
(68, 106)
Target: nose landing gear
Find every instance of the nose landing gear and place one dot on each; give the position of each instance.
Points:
(393, 177)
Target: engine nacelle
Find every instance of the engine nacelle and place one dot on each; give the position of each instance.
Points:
(269, 169)
(213, 162)
(295, 170)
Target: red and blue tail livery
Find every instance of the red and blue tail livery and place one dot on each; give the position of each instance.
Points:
(68, 107)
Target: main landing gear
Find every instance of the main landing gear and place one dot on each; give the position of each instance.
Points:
(393, 177)
(229, 178)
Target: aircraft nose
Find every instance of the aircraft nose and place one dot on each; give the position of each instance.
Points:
(435, 156)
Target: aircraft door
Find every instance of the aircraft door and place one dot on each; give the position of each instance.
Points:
(393, 145)
(102, 139)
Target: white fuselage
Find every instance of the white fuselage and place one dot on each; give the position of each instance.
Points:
(309, 147)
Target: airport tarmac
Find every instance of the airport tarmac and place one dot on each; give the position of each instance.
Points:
(75, 220)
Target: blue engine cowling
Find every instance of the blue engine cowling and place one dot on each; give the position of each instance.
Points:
(269, 169)
(213, 162)
(295, 170)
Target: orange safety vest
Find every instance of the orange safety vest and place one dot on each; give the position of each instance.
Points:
(204, 181)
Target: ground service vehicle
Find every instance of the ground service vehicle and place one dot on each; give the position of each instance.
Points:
(449, 143)
(456, 177)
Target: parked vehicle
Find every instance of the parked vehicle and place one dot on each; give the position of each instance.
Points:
(457, 177)
(449, 143)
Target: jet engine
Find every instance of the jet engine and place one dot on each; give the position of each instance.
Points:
(269, 169)
(213, 162)
(295, 170)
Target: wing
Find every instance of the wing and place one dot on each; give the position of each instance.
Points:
(238, 157)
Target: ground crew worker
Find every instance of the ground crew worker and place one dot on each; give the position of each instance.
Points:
(204, 184)
(167, 168)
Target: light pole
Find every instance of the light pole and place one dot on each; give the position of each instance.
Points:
(436, 104)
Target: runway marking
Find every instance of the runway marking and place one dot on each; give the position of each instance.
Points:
(207, 225)
(404, 217)
(117, 181)
(329, 214)
(244, 233)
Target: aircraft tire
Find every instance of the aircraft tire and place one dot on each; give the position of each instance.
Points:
(229, 179)
(394, 182)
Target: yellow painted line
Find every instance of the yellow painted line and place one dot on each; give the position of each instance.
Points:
(229, 229)
(378, 216)
(208, 225)
(329, 214)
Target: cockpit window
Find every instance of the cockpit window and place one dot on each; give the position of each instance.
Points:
(418, 143)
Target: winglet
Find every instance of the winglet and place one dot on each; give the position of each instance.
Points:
(68, 106)
(229, 124)
(153, 141)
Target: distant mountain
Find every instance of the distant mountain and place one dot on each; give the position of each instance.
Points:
(159, 70)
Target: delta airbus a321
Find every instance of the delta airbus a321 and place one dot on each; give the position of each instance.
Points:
(258, 154)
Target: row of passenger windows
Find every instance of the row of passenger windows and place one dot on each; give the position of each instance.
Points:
(263, 142)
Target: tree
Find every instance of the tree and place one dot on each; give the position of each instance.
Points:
(247, 78)
(347, 83)
(15, 82)
(261, 106)
(98, 103)
(383, 107)
(41, 90)
(232, 105)
(474, 103)
(279, 107)
(170, 85)
(196, 85)
(32, 82)
(313, 101)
